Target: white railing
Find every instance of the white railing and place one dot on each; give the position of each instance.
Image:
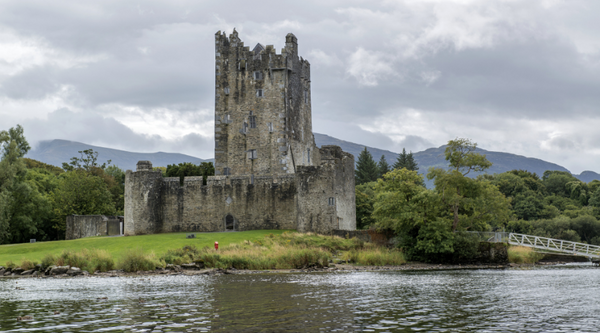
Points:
(580, 249)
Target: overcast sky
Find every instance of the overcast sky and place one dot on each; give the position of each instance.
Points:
(513, 76)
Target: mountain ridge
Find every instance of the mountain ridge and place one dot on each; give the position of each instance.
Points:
(57, 151)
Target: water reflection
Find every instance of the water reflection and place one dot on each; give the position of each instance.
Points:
(548, 299)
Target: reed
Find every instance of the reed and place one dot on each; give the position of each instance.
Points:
(88, 260)
(523, 255)
(136, 260)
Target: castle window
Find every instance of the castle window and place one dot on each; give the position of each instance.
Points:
(270, 126)
(252, 120)
(226, 171)
(308, 155)
(258, 75)
(331, 201)
(259, 93)
(226, 90)
(251, 154)
(305, 96)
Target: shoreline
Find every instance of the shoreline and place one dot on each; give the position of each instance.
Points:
(337, 268)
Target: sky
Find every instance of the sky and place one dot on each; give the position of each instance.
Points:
(514, 76)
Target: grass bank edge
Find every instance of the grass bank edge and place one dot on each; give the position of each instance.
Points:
(286, 250)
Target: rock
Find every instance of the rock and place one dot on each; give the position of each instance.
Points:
(18, 271)
(28, 272)
(85, 273)
(36, 273)
(58, 270)
(74, 271)
(38, 267)
(2, 270)
(8, 272)
(24, 318)
(189, 266)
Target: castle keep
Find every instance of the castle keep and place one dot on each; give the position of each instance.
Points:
(269, 172)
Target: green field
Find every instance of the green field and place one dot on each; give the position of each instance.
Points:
(116, 246)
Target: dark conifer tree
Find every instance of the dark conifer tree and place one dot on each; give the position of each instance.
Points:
(383, 166)
(366, 168)
(406, 161)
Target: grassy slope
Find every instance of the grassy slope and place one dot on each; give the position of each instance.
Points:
(116, 246)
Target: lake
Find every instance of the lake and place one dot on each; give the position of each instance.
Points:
(558, 299)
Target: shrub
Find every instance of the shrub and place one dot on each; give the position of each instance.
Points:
(27, 264)
(48, 261)
(375, 257)
(10, 264)
(137, 260)
(523, 255)
(100, 260)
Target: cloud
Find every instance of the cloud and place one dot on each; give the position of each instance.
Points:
(516, 76)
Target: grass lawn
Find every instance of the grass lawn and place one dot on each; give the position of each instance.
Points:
(116, 246)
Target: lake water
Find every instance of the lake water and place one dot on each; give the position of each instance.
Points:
(551, 299)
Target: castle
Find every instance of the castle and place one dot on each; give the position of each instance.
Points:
(269, 174)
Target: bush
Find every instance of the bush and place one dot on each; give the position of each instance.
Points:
(375, 257)
(465, 247)
(48, 261)
(523, 255)
(10, 264)
(137, 260)
(27, 264)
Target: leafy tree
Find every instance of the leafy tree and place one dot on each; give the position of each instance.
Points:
(366, 168)
(88, 161)
(383, 166)
(80, 193)
(365, 198)
(116, 187)
(406, 161)
(22, 208)
(455, 189)
(186, 169)
(404, 205)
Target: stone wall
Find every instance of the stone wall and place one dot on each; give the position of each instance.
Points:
(326, 196)
(80, 226)
(258, 203)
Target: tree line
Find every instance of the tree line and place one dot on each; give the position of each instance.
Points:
(429, 223)
(36, 198)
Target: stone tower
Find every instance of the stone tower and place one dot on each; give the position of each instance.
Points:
(263, 115)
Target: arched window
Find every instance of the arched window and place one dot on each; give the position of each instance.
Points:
(331, 201)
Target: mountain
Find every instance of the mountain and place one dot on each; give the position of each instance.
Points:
(56, 152)
(434, 157)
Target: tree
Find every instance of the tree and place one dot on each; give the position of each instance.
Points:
(80, 193)
(365, 198)
(383, 166)
(406, 161)
(88, 161)
(404, 205)
(454, 187)
(186, 169)
(366, 168)
(22, 208)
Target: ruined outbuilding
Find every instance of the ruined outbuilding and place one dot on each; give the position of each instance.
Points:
(269, 172)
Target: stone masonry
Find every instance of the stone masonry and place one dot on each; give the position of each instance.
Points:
(269, 172)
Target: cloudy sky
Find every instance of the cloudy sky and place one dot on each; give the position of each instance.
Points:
(514, 76)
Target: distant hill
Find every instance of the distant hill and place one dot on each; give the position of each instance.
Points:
(55, 152)
(434, 157)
